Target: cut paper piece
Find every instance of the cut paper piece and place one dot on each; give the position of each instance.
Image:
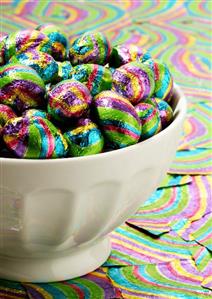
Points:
(133, 247)
(151, 226)
(12, 290)
(176, 280)
(203, 261)
(93, 285)
(171, 208)
(175, 180)
(207, 282)
(197, 130)
(192, 162)
(185, 146)
(199, 230)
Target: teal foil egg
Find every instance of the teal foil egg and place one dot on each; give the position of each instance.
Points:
(43, 63)
(57, 38)
(90, 47)
(86, 139)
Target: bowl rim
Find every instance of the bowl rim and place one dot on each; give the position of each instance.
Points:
(179, 113)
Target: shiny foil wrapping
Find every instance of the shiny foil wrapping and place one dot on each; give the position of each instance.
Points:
(96, 77)
(67, 100)
(34, 137)
(43, 63)
(21, 87)
(122, 54)
(117, 118)
(26, 40)
(134, 81)
(163, 79)
(86, 139)
(92, 47)
(58, 40)
(64, 70)
(6, 113)
(150, 120)
(165, 112)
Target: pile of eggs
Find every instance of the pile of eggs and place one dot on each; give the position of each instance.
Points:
(58, 100)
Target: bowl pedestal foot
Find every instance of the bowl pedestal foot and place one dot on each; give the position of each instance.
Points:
(78, 262)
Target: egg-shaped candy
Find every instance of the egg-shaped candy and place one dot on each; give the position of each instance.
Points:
(6, 113)
(26, 40)
(164, 109)
(165, 112)
(64, 70)
(117, 118)
(3, 49)
(68, 100)
(163, 79)
(35, 113)
(21, 87)
(96, 77)
(150, 120)
(43, 63)
(34, 138)
(57, 38)
(91, 47)
(86, 139)
(122, 54)
(134, 81)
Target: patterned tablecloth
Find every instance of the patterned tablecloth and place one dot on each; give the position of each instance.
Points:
(164, 250)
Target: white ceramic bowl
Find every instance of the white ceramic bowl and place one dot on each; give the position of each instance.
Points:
(55, 215)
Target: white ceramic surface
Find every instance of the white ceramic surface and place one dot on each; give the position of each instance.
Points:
(55, 215)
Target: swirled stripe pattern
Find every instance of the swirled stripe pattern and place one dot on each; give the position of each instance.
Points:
(175, 279)
(175, 218)
(171, 207)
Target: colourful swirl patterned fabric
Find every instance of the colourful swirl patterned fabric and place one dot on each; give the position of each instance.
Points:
(164, 250)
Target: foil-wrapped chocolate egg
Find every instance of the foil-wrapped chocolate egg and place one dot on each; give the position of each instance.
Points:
(68, 100)
(3, 49)
(134, 81)
(21, 87)
(26, 40)
(6, 113)
(35, 113)
(165, 112)
(163, 79)
(57, 38)
(164, 109)
(91, 47)
(150, 120)
(117, 119)
(64, 70)
(122, 54)
(96, 77)
(34, 138)
(43, 63)
(86, 139)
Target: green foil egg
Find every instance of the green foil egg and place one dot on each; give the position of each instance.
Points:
(150, 120)
(117, 119)
(34, 138)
